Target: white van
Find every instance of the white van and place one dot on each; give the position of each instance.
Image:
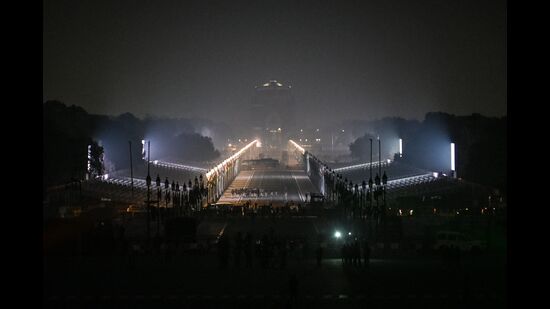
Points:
(448, 239)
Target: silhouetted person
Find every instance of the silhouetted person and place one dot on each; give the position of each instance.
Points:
(283, 253)
(248, 249)
(466, 288)
(223, 251)
(293, 287)
(356, 254)
(319, 255)
(238, 249)
(366, 254)
(264, 253)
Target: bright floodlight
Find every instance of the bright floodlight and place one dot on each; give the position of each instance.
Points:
(453, 157)
(349, 233)
(89, 157)
(337, 234)
(400, 147)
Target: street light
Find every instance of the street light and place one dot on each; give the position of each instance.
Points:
(453, 159)
(400, 148)
(364, 187)
(166, 194)
(148, 182)
(159, 196)
(185, 195)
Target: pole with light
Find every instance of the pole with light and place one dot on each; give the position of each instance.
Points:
(148, 181)
(159, 196)
(453, 170)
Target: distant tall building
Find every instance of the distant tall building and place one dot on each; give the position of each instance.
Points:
(272, 107)
(271, 113)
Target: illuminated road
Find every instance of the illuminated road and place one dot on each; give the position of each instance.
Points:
(277, 186)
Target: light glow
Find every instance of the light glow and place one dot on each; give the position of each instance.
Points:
(337, 234)
(400, 148)
(223, 165)
(453, 157)
(89, 157)
(358, 166)
(302, 150)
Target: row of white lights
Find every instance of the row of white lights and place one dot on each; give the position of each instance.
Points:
(302, 150)
(179, 166)
(233, 157)
(388, 161)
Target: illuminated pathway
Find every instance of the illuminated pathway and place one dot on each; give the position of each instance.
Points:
(272, 185)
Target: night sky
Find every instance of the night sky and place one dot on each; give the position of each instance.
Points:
(348, 59)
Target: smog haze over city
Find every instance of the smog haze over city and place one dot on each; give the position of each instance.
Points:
(346, 59)
(323, 154)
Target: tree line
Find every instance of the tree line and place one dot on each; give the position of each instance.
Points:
(68, 130)
(481, 144)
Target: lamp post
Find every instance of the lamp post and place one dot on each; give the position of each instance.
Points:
(178, 197)
(379, 157)
(384, 183)
(189, 191)
(201, 187)
(131, 170)
(184, 198)
(148, 181)
(377, 193)
(356, 193)
(379, 189)
(159, 196)
(166, 194)
(370, 174)
(364, 187)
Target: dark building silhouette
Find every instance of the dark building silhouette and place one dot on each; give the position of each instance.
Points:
(271, 113)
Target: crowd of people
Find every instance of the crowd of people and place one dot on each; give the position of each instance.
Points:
(352, 252)
(250, 209)
(269, 251)
(254, 192)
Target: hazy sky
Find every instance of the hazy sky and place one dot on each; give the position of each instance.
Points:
(344, 59)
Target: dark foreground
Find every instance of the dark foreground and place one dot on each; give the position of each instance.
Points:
(192, 280)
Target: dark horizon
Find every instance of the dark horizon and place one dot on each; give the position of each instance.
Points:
(351, 60)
